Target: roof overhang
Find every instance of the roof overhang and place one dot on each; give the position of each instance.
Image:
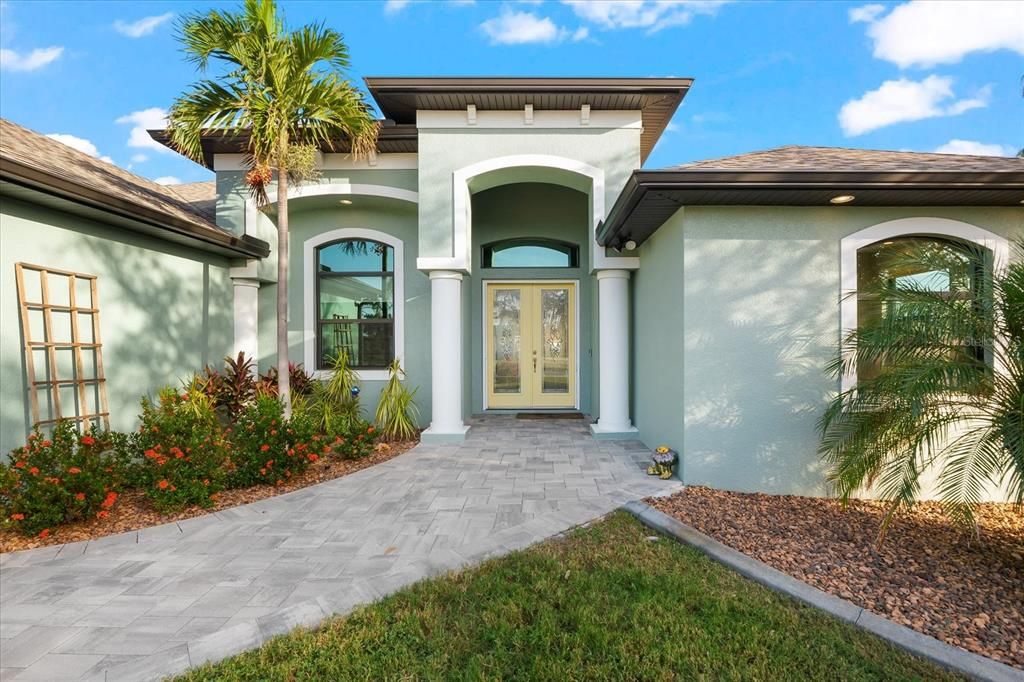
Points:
(399, 98)
(390, 139)
(17, 179)
(652, 197)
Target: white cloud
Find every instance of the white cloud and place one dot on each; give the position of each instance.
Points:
(395, 6)
(519, 28)
(139, 158)
(146, 119)
(654, 15)
(905, 100)
(81, 144)
(925, 33)
(167, 180)
(972, 148)
(865, 14)
(36, 59)
(142, 27)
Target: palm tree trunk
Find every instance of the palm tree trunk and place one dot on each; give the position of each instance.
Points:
(283, 387)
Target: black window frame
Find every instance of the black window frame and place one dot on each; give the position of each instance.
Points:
(568, 248)
(384, 274)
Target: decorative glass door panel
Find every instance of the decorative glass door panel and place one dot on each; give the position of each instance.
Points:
(531, 345)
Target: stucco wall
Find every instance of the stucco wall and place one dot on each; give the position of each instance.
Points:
(443, 151)
(527, 210)
(165, 310)
(760, 319)
(312, 216)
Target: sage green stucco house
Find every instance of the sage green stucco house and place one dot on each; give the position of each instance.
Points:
(506, 245)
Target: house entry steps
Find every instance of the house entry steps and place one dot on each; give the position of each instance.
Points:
(154, 602)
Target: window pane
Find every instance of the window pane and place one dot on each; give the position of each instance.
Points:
(356, 298)
(368, 344)
(555, 320)
(892, 264)
(506, 340)
(356, 255)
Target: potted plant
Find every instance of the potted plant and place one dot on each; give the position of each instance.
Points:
(664, 462)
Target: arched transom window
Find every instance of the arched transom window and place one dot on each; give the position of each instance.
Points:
(355, 303)
(530, 253)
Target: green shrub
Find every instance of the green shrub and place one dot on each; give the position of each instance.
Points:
(354, 443)
(397, 415)
(332, 406)
(59, 479)
(184, 451)
(267, 449)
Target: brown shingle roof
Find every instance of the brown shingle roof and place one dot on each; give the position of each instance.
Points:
(201, 196)
(797, 158)
(182, 213)
(31, 149)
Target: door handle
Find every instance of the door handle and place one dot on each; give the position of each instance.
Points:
(535, 363)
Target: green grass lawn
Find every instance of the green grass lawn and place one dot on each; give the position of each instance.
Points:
(603, 603)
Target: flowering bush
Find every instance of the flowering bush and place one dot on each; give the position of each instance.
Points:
(268, 449)
(59, 479)
(183, 450)
(355, 442)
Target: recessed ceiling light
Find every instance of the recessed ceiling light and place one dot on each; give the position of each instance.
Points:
(842, 199)
(1022, 201)
(345, 202)
(888, 243)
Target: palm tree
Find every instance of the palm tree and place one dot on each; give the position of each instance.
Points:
(284, 91)
(941, 382)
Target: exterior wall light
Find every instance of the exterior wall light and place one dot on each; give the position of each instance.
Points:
(630, 245)
(842, 199)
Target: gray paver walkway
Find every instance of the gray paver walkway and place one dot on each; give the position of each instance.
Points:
(151, 603)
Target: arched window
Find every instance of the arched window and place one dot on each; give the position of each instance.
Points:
(355, 303)
(899, 264)
(530, 253)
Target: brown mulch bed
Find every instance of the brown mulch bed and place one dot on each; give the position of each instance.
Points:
(927, 575)
(133, 511)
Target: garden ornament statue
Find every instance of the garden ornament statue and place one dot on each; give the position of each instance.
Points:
(664, 459)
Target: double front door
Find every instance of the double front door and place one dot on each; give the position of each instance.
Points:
(530, 344)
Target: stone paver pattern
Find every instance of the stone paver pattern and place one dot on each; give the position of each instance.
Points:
(151, 603)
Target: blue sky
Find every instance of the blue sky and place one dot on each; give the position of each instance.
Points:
(913, 75)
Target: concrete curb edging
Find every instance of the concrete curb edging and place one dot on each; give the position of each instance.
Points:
(946, 655)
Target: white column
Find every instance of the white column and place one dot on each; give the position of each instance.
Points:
(246, 317)
(614, 355)
(446, 357)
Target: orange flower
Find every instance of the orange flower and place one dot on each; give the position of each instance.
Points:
(34, 471)
(264, 447)
(88, 440)
(19, 465)
(370, 430)
(47, 443)
(273, 432)
(102, 514)
(163, 484)
(44, 533)
(312, 457)
(269, 463)
(263, 472)
(109, 500)
(80, 496)
(149, 454)
(74, 470)
(17, 517)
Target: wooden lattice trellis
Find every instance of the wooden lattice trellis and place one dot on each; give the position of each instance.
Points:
(71, 378)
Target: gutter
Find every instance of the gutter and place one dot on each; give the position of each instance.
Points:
(63, 188)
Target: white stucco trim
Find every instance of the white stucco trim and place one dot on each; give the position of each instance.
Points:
(904, 227)
(339, 187)
(529, 117)
(462, 219)
(332, 161)
(613, 356)
(445, 358)
(246, 317)
(309, 316)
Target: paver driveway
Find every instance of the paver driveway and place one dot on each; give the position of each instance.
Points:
(146, 604)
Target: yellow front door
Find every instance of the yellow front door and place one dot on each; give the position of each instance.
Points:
(531, 345)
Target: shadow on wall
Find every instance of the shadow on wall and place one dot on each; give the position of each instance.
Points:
(163, 314)
(760, 326)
